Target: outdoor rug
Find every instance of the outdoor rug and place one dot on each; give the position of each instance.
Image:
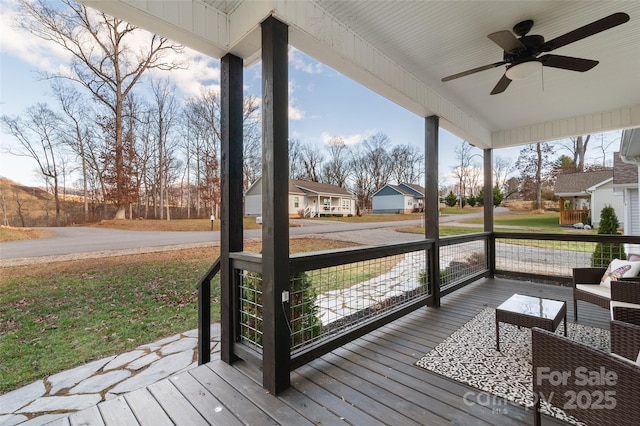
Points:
(469, 356)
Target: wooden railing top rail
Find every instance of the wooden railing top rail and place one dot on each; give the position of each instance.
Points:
(458, 239)
(321, 259)
(597, 238)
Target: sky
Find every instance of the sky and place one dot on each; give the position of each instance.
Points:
(322, 103)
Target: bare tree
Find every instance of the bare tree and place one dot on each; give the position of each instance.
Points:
(605, 142)
(407, 164)
(252, 143)
(336, 170)
(105, 62)
(370, 167)
(164, 119)
(296, 160)
(535, 165)
(462, 171)
(377, 160)
(577, 146)
(502, 168)
(39, 138)
(312, 159)
(76, 132)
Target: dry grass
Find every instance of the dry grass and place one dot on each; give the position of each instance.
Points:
(8, 233)
(169, 225)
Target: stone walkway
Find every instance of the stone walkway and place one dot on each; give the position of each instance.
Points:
(85, 386)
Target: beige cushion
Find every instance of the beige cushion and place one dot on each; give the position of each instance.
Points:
(599, 290)
(619, 269)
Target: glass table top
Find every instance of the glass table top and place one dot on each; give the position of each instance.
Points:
(534, 306)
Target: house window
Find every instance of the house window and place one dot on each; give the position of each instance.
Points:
(346, 204)
(296, 202)
(409, 202)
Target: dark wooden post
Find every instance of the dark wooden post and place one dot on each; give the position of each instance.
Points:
(488, 209)
(231, 211)
(275, 214)
(432, 204)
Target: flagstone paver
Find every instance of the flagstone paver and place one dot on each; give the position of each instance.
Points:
(144, 361)
(100, 382)
(70, 378)
(13, 419)
(160, 369)
(12, 401)
(54, 403)
(124, 359)
(179, 346)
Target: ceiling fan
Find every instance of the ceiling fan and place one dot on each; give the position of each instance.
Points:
(521, 54)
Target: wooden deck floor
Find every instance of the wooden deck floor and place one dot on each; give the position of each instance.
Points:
(370, 381)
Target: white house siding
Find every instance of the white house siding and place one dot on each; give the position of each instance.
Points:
(388, 203)
(634, 212)
(253, 205)
(605, 196)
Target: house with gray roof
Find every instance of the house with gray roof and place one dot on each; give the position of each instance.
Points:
(401, 198)
(586, 192)
(306, 199)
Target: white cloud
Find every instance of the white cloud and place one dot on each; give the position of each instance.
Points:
(348, 139)
(44, 56)
(295, 113)
(199, 71)
(300, 64)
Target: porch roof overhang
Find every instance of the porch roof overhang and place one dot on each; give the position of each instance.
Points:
(401, 50)
(630, 146)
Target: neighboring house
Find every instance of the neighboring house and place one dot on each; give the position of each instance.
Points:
(588, 192)
(306, 199)
(401, 198)
(625, 182)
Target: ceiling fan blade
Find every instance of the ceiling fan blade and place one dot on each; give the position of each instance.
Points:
(506, 40)
(502, 85)
(472, 71)
(567, 62)
(588, 30)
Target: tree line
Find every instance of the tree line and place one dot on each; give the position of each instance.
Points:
(140, 151)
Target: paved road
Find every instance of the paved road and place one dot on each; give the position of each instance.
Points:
(70, 240)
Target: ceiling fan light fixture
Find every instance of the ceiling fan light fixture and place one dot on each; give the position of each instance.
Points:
(523, 70)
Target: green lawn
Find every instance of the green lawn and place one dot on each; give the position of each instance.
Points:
(52, 322)
(457, 210)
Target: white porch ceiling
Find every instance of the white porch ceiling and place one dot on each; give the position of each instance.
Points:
(401, 49)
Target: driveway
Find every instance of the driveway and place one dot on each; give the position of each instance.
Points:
(73, 240)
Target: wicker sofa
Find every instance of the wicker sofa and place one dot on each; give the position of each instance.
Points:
(613, 400)
(587, 287)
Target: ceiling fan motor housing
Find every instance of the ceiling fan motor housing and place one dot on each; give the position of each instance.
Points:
(531, 43)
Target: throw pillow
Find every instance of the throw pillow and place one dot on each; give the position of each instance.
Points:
(618, 269)
(633, 257)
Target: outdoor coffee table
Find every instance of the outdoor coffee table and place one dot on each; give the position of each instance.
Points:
(530, 311)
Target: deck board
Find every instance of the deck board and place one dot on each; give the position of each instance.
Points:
(147, 410)
(116, 412)
(372, 380)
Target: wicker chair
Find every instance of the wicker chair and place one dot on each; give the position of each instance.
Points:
(625, 332)
(625, 290)
(553, 354)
